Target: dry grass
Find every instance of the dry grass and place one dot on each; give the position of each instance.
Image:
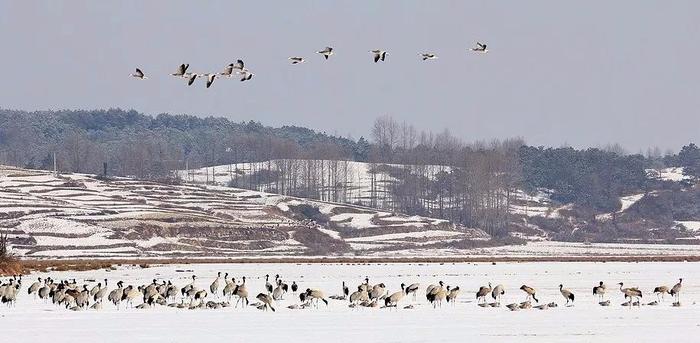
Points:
(9, 265)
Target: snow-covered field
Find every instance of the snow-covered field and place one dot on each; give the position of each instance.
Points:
(78, 215)
(33, 320)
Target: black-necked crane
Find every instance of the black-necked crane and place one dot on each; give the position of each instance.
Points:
(268, 285)
(480, 48)
(393, 299)
(412, 288)
(294, 287)
(210, 79)
(228, 70)
(428, 56)
(242, 292)
(316, 294)
(660, 291)
(378, 55)
(327, 52)
(377, 291)
(139, 74)
(359, 296)
(239, 65)
(497, 293)
(99, 296)
(296, 60)
(133, 293)
(346, 290)
(45, 291)
(365, 285)
(266, 299)
(278, 292)
(246, 75)
(531, 292)
(437, 295)
(566, 294)
(631, 293)
(97, 288)
(181, 70)
(115, 296)
(433, 287)
(34, 288)
(189, 287)
(483, 292)
(191, 77)
(230, 287)
(452, 294)
(676, 290)
(599, 290)
(214, 287)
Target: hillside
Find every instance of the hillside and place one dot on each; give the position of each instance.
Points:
(650, 216)
(80, 215)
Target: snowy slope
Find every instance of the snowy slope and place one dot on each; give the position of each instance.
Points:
(80, 216)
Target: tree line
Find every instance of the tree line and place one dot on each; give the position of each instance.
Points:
(410, 171)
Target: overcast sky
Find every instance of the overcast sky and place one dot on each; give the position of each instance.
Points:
(582, 73)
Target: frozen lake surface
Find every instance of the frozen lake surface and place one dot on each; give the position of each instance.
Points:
(33, 320)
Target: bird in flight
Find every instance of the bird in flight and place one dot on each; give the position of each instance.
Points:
(246, 75)
(239, 65)
(181, 70)
(327, 52)
(296, 60)
(480, 47)
(378, 55)
(228, 70)
(190, 78)
(210, 79)
(139, 74)
(428, 56)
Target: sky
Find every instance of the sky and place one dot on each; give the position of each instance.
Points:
(578, 73)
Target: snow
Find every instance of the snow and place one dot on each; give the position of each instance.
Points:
(551, 248)
(689, 224)
(675, 174)
(395, 236)
(332, 233)
(586, 321)
(628, 201)
(57, 225)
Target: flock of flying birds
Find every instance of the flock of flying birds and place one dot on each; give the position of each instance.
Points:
(239, 68)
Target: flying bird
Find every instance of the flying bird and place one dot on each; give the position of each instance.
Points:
(190, 78)
(210, 79)
(428, 56)
(181, 70)
(327, 52)
(246, 75)
(239, 65)
(378, 55)
(228, 70)
(296, 60)
(480, 47)
(139, 74)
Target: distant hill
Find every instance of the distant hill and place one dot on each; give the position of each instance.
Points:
(400, 170)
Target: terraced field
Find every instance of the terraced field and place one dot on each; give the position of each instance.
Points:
(77, 215)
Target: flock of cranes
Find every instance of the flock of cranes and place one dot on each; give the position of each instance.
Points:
(239, 68)
(92, 294)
